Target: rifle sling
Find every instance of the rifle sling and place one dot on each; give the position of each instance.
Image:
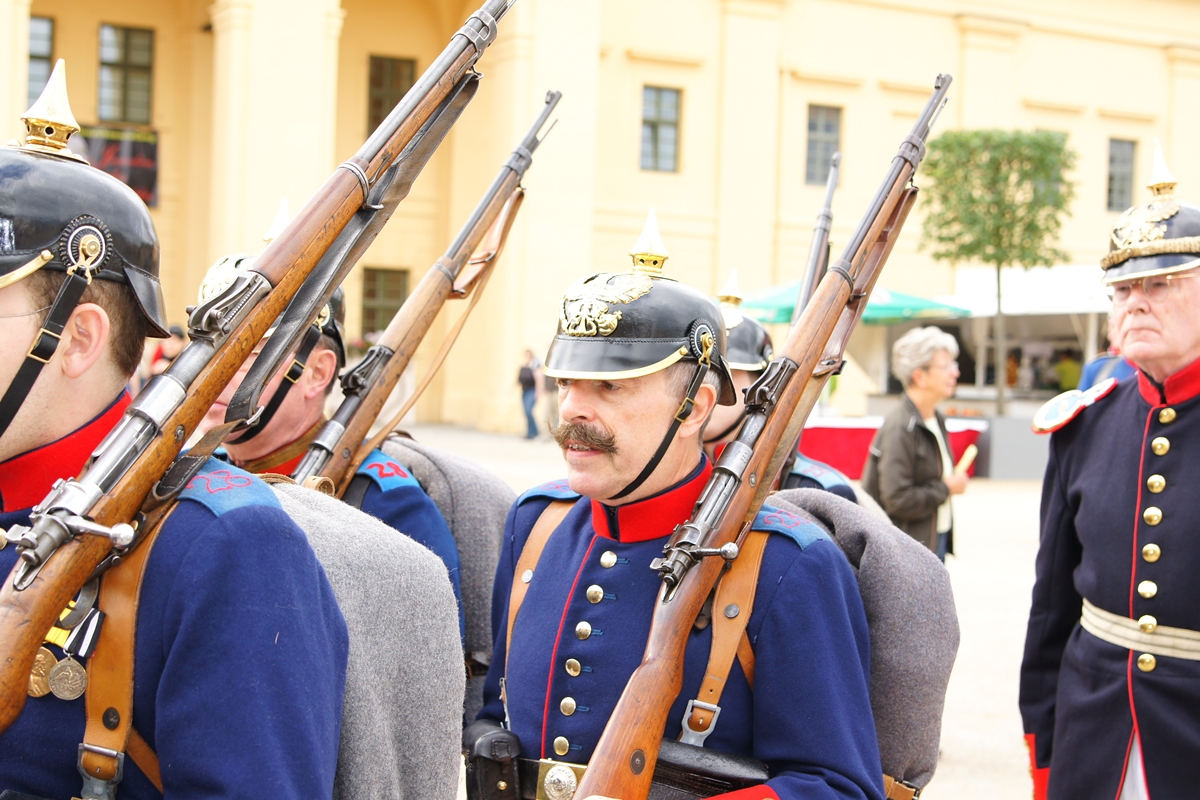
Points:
(311, 336)
(109, 694)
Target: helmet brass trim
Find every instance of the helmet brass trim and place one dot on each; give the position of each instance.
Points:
(616, 376)
(25, 270)
(1108, 280)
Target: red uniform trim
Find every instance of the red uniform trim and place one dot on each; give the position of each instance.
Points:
(653, 517)
(762, 792)
(1178, 388)
(1040, 775)
(554, 650)
(25, 480)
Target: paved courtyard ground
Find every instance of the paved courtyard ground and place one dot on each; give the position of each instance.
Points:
(983, 754)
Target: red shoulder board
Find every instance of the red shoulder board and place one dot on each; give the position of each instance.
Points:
(1066, 407)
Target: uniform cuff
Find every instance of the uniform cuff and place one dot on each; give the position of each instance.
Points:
(1040, 775)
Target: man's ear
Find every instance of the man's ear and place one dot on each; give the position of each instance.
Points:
(322, 369)
(84, 341)
(706, 400)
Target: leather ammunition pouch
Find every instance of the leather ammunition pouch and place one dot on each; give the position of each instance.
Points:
(491, 755)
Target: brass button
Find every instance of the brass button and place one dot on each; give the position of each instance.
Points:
(1146, 589)
(608, 559)
(1166, 416)
(1152, 515)
(582, 631)
(501, 785)
(1151, 552)
(573, 668)
(1156, 483)
(1160, 445)
(527, 576)
(1147, 662)
(1147, 623)
(595, 594)
(562, 746)
(567, 706)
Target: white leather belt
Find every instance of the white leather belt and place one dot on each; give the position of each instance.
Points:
(1125, 632)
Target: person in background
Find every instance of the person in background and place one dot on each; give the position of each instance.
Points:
(910, 469)
(530, 377)
(168, 350)
(1068, 370)
(1109, 364)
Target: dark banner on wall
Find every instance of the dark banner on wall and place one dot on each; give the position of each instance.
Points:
(129, 155)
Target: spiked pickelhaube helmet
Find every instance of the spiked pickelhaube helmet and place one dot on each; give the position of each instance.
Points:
(59, 213)
(747, 345)
(615, 326)
(1158, 238)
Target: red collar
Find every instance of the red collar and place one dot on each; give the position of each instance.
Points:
(1178, 388)
(654, 516)
(26, 479)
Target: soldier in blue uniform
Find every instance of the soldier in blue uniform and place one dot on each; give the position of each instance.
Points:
(639, 362)
(748, 352)
(294, 413)
(1110, 682)
(240, 646)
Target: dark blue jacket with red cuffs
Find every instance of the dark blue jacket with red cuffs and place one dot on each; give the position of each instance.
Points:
(809, 715)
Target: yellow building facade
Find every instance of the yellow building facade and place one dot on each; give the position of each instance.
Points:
(257, 100)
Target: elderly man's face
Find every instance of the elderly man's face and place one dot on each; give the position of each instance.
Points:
(1161, 336)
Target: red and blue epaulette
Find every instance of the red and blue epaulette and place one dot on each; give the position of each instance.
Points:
(798, 529)
(554, 490)
(1068, 405)
(222, 487)
(386, 472)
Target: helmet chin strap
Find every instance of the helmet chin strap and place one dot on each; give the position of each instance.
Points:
(311, 337)
(685, 411)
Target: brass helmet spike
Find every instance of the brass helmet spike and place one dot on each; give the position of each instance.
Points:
(49, 122)
(282, 217)
(731, 293)
(1162, 182)
(649, 253)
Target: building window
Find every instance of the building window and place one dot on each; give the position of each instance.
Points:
(660, 129)
(824, 134)
(384, 291)
(391, 78)
(41, 55)
(126, 60)
(1120, 174)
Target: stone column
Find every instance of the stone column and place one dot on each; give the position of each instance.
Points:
(14, 67)
(748, 151)
(274, 92)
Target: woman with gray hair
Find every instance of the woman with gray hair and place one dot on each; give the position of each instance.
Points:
(910, 470)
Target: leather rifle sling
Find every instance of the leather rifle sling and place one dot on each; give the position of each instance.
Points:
(109, 694)
(737, 588)
(551, 517)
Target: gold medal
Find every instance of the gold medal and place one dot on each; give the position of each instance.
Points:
(39, 677)
(68, 679)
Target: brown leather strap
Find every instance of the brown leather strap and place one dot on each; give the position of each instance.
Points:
(145, 758)
(745, 655)
(730, 615)
(897, 790)
(552, 516)
(109, 695)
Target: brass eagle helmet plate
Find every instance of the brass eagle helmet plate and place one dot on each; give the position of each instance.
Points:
(1142, 224)
(585, 307)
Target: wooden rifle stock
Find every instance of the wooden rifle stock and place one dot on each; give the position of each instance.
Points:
(27, 613)
(622, 765)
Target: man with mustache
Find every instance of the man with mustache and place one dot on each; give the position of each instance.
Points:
(239, 659)
(1110, 696)
(640, 364)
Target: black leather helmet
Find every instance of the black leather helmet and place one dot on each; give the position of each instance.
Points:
(748, 345)
(1158, 238)
(52, 204)
(621, 325)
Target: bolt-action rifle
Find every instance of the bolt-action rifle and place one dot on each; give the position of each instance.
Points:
(624, 760)
(814, 270)
(463, 270)
(89, 523)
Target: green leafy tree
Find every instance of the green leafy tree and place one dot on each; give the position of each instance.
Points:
(998, 197)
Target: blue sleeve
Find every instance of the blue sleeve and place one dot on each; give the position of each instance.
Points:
(241, 621)
(521, 518)
(812, 707)
(407, 509)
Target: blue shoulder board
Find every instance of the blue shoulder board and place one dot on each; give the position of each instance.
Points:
(798, 529)
(222, 487)
(823, 474)
(555, 490)
(386, 472)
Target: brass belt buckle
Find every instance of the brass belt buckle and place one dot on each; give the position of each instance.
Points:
(558, 780)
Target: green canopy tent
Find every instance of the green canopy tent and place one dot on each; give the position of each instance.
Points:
(774, 305)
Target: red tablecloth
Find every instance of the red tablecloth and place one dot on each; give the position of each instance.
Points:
(843, 442)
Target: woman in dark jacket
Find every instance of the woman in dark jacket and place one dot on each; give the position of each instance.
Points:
(910, 469)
